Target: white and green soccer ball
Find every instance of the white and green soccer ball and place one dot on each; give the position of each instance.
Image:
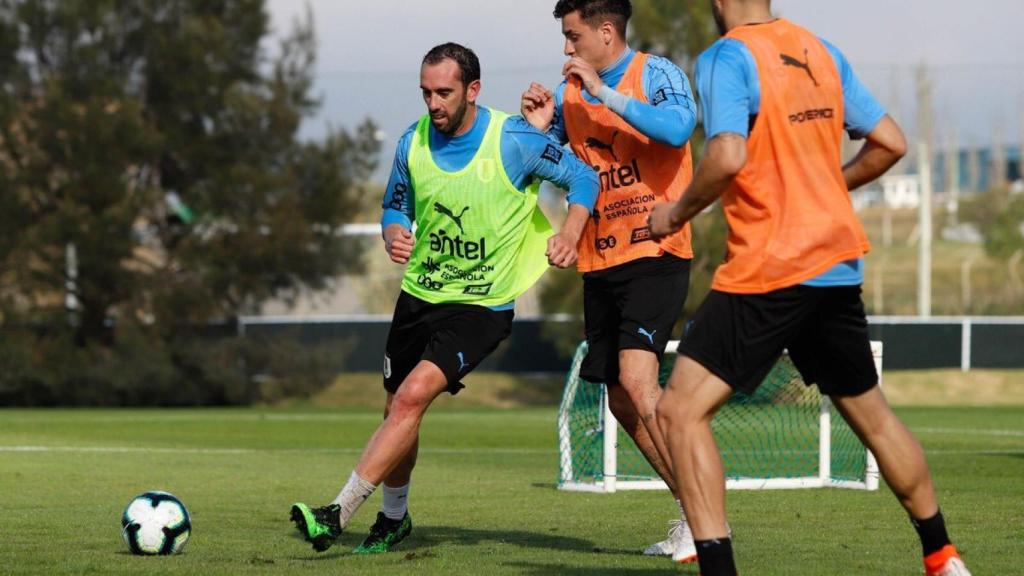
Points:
(155, 523)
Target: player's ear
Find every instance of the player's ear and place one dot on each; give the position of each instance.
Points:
(472, 91)
(608, 32)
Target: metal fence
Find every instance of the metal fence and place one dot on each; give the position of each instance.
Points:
(911, 343)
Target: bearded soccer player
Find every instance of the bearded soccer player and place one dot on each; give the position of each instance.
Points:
(630, 116)
(469, 177)
(776, 100)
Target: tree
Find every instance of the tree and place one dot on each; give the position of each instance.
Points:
(150, 167)
(999, 214)
(679, 31)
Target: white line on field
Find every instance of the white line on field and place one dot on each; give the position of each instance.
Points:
(978, 452)
(253, 451)
(241, 451)
(171, 417)
(970, 431)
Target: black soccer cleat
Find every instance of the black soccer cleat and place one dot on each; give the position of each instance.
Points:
(384, 534)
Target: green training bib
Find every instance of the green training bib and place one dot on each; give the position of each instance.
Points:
(479, 240)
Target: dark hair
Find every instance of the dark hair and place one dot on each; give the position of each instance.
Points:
(469, 66)
(617, 12)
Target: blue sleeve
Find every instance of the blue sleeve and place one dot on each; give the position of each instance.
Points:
(728, 88)
(398, 205)
(528, 153)
(863, 111)
(557, 129)
(671, 115)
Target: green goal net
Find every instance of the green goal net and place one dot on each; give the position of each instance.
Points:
(785, 435)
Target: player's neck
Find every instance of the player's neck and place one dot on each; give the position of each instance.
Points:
(468, 120)
(751, 14)
(615, 53)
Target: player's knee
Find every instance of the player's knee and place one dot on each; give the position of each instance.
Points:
(412, 399)
(629, 379)
(673, 412)
(641, 389)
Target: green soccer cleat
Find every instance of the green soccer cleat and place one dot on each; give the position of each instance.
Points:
(319, 526)
(384, 534)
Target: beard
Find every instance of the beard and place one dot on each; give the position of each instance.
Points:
(454, 120)
(719, 19)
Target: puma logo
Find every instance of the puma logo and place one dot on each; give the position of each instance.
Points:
(431, 267)
(649, 335)
(462, 361)
(805, 65)
(599, 145)
(438, 207)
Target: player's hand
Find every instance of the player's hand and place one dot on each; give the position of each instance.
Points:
(662, 220)
(538, 106)
(561, 251)
(579, 68)
(398, 241)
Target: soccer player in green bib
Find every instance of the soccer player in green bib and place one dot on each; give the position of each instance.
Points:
(469, 177)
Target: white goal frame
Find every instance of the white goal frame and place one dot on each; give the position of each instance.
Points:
(611, 484)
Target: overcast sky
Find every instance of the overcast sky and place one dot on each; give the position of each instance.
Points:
(370, 52)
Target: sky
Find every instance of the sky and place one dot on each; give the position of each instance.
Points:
(369, 56)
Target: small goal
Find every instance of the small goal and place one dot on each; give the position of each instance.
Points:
(785, 435)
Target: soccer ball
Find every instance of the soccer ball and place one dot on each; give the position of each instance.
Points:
(155, 523)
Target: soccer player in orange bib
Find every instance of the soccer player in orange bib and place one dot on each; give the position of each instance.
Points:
(776, 100)
(630, 116)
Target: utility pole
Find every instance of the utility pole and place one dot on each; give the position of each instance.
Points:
(924, 170)
(1020, 141)
(973, 170)
(997, 178)
(896, 111)
(953, 177)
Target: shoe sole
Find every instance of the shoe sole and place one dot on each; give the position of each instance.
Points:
(320, 543)
(687, 560)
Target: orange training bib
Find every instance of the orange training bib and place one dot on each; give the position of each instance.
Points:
(635, 172)
(789, 211)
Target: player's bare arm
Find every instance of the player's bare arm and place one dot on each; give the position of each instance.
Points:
(398, 241)
(538, 106)
(562, 246)
(884, 147)
(725, 157)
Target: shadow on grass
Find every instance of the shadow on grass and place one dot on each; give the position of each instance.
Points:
(424, 538)
(533, 569)
(1007, 454)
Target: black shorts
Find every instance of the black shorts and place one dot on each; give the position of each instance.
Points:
(633, 306)
(739, 337)
(455, 337)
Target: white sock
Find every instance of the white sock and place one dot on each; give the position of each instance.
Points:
(395, 502)
(352, 496)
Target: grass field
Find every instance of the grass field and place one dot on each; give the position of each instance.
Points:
(483, 497)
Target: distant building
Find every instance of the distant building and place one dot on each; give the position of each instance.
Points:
(900, 192)
(976, 168)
